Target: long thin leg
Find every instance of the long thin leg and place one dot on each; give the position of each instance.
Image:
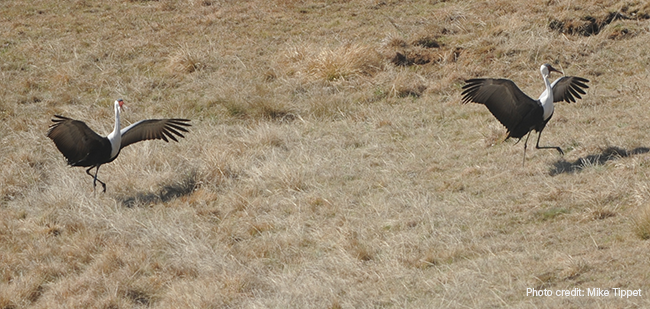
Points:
(103, 184)
(547, 147)
(95, 180)
(525, 146)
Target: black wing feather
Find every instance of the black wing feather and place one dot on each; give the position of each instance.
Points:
(568, 88)
(75, 140)
(154, 129)
(502, 97)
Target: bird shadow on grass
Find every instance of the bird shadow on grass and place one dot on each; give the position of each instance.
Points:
(609, 154)
(165, 194)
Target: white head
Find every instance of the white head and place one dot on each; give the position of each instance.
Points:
(546, 70)
(119, 104)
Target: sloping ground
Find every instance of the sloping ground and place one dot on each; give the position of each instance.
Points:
(330, 162)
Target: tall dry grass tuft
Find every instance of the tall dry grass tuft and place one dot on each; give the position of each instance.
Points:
(641, 223)
(185, 60)
(407, 83)
(343, 63)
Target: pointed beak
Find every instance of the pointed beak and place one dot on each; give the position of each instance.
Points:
(552, 69)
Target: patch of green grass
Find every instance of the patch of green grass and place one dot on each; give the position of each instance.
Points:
(552, 213)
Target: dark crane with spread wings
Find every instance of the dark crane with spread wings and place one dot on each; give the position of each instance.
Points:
(519, 113)
(81, 146)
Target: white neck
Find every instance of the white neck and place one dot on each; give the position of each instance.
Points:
(116, 137)
(547, 98)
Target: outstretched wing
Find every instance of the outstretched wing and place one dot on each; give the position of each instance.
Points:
(74, 139)
(153, 129)
(502, 97)
(568, 88)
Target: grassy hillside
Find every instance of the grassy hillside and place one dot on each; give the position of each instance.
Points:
(330, 163)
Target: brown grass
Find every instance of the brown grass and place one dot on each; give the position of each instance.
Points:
(641, 222)
(341, 64)
(321, 170)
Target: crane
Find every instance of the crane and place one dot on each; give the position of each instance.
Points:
(81, 146)
(519, 113)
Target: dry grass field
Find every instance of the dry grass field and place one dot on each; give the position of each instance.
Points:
(330, 163)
